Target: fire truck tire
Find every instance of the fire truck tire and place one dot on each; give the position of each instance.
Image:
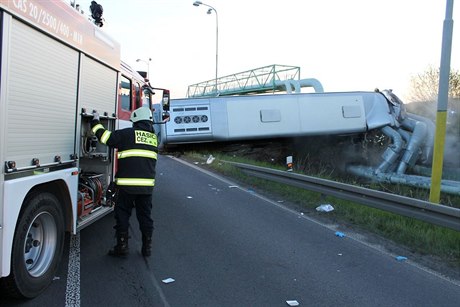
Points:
(37, 246)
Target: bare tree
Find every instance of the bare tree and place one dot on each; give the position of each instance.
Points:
(424, 87)
(424, 96)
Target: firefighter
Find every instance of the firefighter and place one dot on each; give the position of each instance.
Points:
(135, 177)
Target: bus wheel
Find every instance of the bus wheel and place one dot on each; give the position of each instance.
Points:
(37, 246)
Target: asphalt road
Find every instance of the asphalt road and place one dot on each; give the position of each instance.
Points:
(228, 246)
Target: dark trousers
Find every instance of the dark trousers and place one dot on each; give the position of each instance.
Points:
(124, 206)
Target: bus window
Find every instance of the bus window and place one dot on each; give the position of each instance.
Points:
(125, 93)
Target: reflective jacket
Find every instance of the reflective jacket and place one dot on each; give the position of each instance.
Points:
(137, 155)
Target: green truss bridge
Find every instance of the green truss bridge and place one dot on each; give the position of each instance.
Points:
(255, 81)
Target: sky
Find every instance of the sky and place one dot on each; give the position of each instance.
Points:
(353, 45)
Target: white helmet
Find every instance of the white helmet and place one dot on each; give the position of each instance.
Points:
(142, 113)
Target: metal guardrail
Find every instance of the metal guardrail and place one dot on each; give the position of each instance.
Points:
(423, 210)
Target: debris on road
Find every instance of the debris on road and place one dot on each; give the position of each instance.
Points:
(292, 303)
(339, 234)
(210, 159)
(401, 258)
(168, 280)
(325, 208)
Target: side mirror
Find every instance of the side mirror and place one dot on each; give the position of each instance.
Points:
(165, 102)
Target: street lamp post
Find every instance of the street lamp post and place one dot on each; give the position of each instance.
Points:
(198, 3)
(148, 65)
(443, 95)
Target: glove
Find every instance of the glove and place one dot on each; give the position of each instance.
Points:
(111, 195)
(95, 115)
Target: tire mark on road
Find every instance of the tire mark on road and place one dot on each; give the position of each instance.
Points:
(156, 284)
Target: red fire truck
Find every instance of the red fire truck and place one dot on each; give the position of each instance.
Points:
(56, 68)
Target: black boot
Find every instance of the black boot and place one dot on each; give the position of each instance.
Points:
(121, 249)
(146, 246)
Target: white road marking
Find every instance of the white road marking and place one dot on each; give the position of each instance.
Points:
(72, 293)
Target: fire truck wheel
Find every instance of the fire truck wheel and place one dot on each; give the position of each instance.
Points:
(37, 247)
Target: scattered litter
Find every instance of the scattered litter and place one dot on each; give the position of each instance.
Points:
(168, 280)
(301, 213)
(401, 258)
(196, 163)
(189, 197)
(339, 254)
(56, 278)
(210, 159)
(289, 163)
(325, 208)
(340, 234)
(280, 201)
(232, 186)
(292, 303)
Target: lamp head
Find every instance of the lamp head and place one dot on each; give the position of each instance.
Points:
(197, 3)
